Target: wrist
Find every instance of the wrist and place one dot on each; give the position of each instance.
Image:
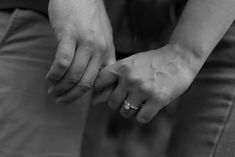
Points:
(193, 59)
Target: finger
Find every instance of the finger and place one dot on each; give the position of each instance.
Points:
(74, 74)
(148, 111)
(84, 84)
(102, 98)
(111, 58)
(106, 77)
(117, 97)
(71, 96)
(63, 59)
(91, 73)
(135, 99)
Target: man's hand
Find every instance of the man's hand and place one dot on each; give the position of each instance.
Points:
(145, 82)
(85, 44)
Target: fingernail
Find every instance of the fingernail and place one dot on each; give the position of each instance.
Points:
(48, 78)
(50, 90)
(51, 79)
(60, 101)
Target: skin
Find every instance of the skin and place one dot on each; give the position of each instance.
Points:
(153, 79)
(148, 80)
(85, 44)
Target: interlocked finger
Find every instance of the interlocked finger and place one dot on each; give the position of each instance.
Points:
(117, 97)
(132, 104)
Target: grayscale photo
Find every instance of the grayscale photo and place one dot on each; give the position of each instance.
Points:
(117, 78)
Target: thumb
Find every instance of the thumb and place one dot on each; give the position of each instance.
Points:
(110, 58)
(110, 62)
(107, 77)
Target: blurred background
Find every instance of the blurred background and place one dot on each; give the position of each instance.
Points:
(138, 25)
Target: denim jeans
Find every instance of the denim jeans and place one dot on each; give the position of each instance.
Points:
(205, 125)
(31, 124)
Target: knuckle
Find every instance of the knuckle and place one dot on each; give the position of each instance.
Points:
(66, 56)
(144, 87)
(89, 41)
(133, 81)
(84, 87)
(103, 46)
(62, 64)
(66, 50)
(96, 44)
(161, 97)
(132, 78)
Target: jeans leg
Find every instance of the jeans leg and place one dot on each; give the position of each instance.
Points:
(205, 125)
(31, 124)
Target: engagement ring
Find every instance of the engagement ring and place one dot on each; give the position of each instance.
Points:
(128, 106)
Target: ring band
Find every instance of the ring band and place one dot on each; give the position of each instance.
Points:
(128, 106)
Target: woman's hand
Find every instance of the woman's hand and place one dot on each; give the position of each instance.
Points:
(85, 44)
(145, 82)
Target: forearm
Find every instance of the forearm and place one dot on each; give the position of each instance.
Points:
(83, 11)
(90, 9)
(200, 28)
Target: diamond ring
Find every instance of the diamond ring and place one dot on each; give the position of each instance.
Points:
(128, 106)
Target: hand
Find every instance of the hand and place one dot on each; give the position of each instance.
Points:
(85, 45)
(147, 81)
